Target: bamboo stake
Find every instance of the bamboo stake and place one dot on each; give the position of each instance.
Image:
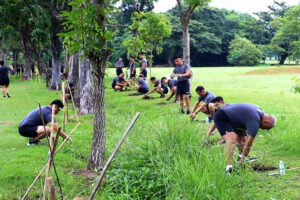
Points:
(58, 149)
(112, 156)
(64, 102)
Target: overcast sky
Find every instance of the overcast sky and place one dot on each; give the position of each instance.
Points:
(245, 6)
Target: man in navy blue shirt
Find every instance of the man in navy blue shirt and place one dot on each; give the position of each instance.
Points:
(32, 125)
(144, 65)
(119, 83)
(159, 87)
(172, 84)
(239, 124)
(119, 65)
(4, 79)
(132, 70)
(142, 85)
(207, 107)
(183, 73)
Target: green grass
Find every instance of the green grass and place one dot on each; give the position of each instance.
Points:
(164, 156)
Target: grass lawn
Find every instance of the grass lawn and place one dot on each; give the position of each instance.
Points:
(165, 156)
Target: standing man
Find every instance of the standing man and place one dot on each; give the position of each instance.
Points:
(183, 73)
(172, 84)
(239, 124)
(144, 65)
(207, 107)
(132, 70)
(4, 79)
(119, 65)
(32, 125)
(119, 82)
(142, 86)
(159, 87)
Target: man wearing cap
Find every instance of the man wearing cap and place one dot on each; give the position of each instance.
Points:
(238, 124)
(32, 125)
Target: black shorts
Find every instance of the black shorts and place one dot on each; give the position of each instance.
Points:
(183, 88)
(4, 81)
(132, 75)
(143, 90)
(166, 90)
(223, 124)
(28, 131)
(144, 72)
(119, 71)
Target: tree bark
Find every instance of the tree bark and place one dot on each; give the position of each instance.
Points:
(25, 38)
(283, 57)
(56, 48)
(86, 91)
(38, 60)
(74, 77)
(186, 44)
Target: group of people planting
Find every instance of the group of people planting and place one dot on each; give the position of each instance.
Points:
(237, 124)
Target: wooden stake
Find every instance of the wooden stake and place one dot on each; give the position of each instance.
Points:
(112, 156)
(40, 173)
(51, 188)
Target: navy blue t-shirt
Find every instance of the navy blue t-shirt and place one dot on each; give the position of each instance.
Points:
(132, 66)
(172, 83)
(119, 64)
(207, 98)
(117, 80)
(34, 117)
(181, 70)
(143, 84)
(158, 82)
(4, 71)
(144, 61)
(244, 116)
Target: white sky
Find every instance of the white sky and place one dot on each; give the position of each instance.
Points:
(244, 6)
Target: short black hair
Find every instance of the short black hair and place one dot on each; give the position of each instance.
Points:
(141, 53)
(217, 99)
(178, 56)
(1, 62)
(57, 102)
(132, 56)
(152, 78)
(141, 76)
(199, 89)
(163, 78)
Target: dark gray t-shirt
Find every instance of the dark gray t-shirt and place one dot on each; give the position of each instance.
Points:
(207, 98)
(34, 117)
(158, 82)
(132, 67)
(119, 64)
(4, 71)
(144, 61)
(172, 83)
(181, 70)
(143, 84)
(244, 116)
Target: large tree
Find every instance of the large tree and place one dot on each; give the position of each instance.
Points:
(87, 32)
(186, 8)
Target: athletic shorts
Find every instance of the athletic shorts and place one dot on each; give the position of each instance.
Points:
(143, 90)
(28, 131)
(144, 72)
(183, 87)
(133, 75)
(119, 71)
(223, 124)
(4, 81)
(165, 90)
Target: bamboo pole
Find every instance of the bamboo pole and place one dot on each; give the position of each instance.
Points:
(57, 150)
(112, 156)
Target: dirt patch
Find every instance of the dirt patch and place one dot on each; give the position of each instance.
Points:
(135, 94)
(262, 168)
(5, 122)
(275, 70)
(162, 104)
(148, 98)
(86, 173)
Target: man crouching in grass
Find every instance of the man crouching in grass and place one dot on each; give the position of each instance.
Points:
(119, 83)
(32, 125)
(238, 125)
(159, 87)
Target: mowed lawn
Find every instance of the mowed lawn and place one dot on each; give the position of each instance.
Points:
(165, 156)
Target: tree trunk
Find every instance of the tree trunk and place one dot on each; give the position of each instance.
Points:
(56, 48)
(283, 58)
(25, 38)
(66, 64)
(74, 78)
(86, 91)
(96, 159)
(186, 44)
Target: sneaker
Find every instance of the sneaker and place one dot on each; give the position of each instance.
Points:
(8, 95)
(175, 101)
(4, 96)
(188, 112)
(162, 96)
(181, 111)
(228, 171)
(32, 142)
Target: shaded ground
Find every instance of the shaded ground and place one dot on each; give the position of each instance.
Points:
(275, 70)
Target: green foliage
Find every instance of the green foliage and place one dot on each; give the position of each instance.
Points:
(296, 87)
(243, 52)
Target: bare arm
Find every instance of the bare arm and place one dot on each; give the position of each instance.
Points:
(200, 108)
(172, 94)
(151, 91)
(61, 133)
(211, 129)
(247, 148)
(187, 74)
